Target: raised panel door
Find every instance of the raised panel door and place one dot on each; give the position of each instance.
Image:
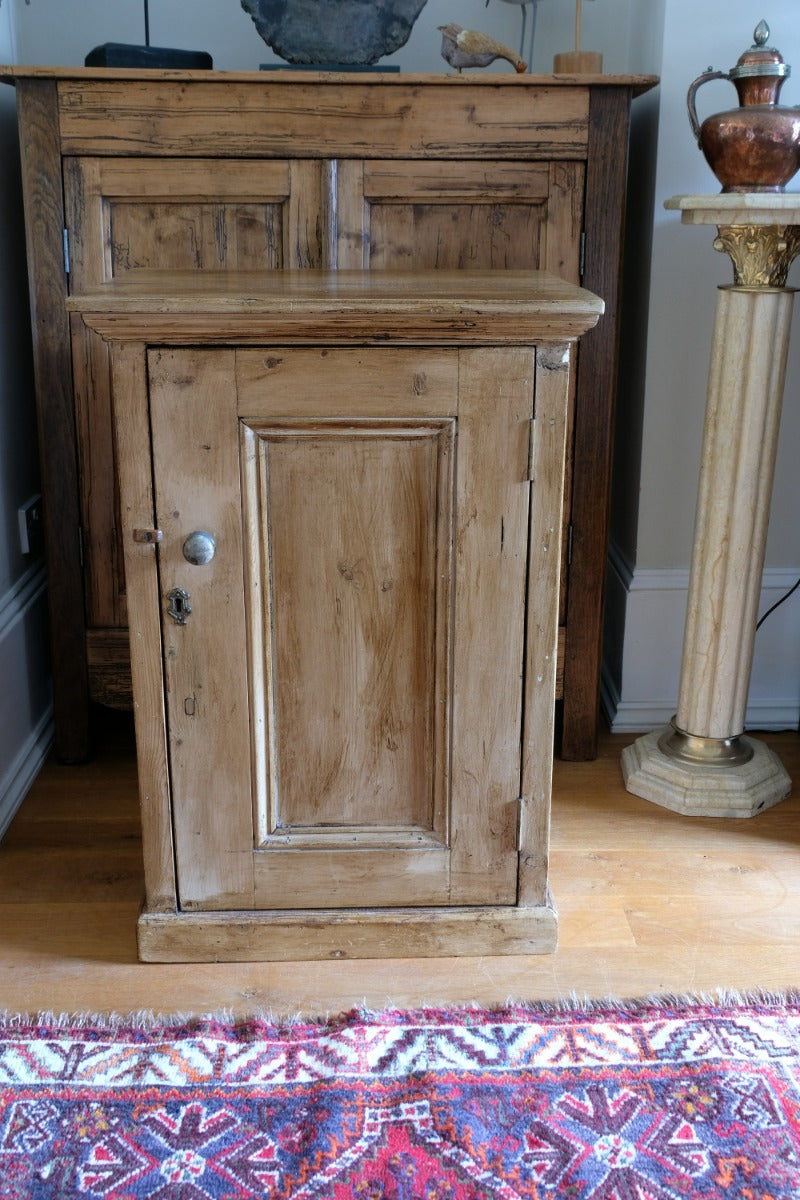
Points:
(344, 700)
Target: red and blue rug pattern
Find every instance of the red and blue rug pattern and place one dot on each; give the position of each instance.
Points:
(653, 1101)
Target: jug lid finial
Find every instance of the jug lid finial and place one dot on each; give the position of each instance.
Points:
(760, 59)
(760, 35)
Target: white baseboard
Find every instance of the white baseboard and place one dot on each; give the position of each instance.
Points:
(640, 678)
(26, 712)
(19, 776)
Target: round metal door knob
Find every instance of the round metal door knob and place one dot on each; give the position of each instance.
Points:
(199, 548)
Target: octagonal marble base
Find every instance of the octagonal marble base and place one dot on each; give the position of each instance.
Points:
(705, 791)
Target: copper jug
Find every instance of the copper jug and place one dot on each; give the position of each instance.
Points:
(756, 147)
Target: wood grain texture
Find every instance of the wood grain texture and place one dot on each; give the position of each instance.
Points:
(252, 937)
(404, 307)
(132, 425)
(448, 215)
(541, 657)
(351, 557)
(101, 544)
(109, 683)
(262, 117)
(495, 408)
(9, 74)
(195, 464)
(44, 222)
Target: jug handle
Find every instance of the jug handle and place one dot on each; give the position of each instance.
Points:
(695, 124)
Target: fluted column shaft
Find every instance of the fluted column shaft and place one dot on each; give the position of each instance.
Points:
(740, 439)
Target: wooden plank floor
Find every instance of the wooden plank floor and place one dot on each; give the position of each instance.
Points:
(649, 902)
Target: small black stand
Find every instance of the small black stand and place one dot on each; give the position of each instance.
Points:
(117, 54)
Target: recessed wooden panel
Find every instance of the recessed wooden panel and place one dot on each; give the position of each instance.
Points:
(207, 214)
(459, 237)
(442, 215)
(354, 522)
(171, 236)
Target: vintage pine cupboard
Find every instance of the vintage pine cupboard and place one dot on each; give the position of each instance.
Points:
(341, 516)
(127, 169)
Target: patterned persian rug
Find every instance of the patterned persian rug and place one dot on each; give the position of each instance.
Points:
(657, 1100)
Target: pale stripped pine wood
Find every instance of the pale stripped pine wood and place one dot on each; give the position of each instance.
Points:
(649, 901)
(338, 672)
(489, 628)
(422, 308)
(239, 118)
(371, 382)
(454, 216)
(353, 560)
(138, 513)
(196, 472)
(315, 503)
(544, 562)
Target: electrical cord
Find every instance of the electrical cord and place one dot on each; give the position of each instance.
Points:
(778, 603)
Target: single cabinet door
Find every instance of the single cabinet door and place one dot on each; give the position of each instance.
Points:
(343, 637)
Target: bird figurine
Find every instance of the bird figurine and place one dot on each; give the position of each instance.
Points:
(468, 48)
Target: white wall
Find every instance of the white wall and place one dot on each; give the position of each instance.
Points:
(46, 34)
(658, 449)
(25, 710)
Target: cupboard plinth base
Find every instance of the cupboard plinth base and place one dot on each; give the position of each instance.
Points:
(698, 790)
(288, 936)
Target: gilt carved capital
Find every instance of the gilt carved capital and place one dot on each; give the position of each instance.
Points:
(761, 254)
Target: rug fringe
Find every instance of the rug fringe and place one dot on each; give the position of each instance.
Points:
(146, 1020)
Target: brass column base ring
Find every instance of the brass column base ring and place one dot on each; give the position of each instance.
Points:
(704, 751)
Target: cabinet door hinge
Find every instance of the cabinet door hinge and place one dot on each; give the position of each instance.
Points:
(582, 259)
(520, 802)
(65, 233)
(531, 449)
(569, 545)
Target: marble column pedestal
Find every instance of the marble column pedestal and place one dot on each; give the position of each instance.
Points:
(702, 764)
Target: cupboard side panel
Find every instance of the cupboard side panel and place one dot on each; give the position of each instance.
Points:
(552, 394)
(132, 425)
(491, 563)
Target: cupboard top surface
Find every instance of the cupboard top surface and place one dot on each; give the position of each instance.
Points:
(509, 306)
(10, 72)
